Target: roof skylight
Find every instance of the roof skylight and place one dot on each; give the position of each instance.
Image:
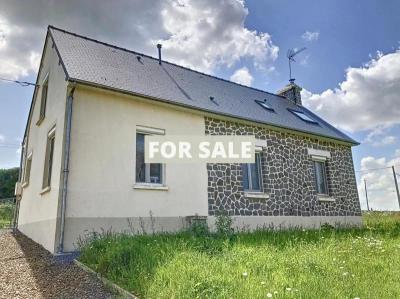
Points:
(264, 104)
(303, 116)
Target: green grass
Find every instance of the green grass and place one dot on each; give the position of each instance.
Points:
(327, 263)
(6, 214)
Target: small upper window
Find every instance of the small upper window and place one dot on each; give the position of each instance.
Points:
(303, 116)
(320, 177)
(252, 175)
(264, 104)
(43, 99)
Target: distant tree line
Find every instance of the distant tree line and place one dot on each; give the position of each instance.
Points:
(8, 178)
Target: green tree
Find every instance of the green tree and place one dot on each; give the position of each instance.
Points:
(8, 178)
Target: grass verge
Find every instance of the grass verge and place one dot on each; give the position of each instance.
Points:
(327, 263)
(6, 214)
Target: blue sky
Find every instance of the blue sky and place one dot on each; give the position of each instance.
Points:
(350, 71)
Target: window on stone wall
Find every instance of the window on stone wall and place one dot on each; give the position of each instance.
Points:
(320, 177)
(252, 175)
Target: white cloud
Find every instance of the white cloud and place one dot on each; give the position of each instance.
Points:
(310, 36)
(203, 35)
(380, 183)
(366, 100)
(2, 138)
(242, 76)
(17, 60)
(377, 137)
(397, 153)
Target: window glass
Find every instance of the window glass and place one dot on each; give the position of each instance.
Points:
(28, 166)
(50, 160)
(48, 163)
(303, 116)
(155, 173)
(140, 165)
(245, 176)
(146, 173)
(252, 175)
(320, 177)
(43, 100)
(264, 104)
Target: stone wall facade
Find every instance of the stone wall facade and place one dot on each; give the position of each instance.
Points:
(288, 176)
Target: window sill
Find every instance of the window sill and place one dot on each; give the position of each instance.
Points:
(256, 195)
(45, 190)
(325, 198)
(144, 186)
(25, 184)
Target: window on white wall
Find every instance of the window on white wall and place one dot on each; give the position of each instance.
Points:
(151, 173)
(320, 177)
(252, 175)
(43, 99)
(27, 171)
(48, 163)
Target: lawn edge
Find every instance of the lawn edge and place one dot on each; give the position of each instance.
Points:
(116, 288)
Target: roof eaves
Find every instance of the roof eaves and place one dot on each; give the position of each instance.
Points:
(92, 84)
(345, 136)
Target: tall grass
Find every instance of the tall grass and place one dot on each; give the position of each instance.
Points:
(327, 263)
(6, 214)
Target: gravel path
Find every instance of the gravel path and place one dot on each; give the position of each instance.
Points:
(29, 271)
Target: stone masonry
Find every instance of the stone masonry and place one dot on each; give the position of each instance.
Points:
(287, 176)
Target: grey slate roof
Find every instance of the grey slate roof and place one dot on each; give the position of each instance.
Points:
(91, 61)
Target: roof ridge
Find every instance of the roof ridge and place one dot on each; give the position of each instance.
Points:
(154, 58)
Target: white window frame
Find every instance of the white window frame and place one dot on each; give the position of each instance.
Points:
(48, 169)
(251, 190)
(321, 156)
(324, 176)
(148, 185)
(43, 102)
(27, 170)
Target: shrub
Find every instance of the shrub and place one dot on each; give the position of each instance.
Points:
(199, 228)
(223, 224)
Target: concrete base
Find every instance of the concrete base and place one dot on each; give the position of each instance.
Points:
(42, 232)
(243, 223)
(81, 228)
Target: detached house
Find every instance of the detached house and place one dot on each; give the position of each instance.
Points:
(83, 152)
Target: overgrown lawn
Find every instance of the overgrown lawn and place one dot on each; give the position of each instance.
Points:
(6, 214)
(325, 263)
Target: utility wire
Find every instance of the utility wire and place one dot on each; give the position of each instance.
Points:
(22, 83)
(371, 169)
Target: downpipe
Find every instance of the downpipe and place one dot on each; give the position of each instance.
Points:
(70, 99)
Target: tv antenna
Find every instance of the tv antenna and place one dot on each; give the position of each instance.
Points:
(291, 53)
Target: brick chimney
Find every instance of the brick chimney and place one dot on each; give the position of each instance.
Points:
(291, 92)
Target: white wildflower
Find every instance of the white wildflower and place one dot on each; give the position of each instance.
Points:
(244, 274)
(288, 289)
(269, 295)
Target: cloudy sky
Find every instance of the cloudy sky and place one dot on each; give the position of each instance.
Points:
(350, 71)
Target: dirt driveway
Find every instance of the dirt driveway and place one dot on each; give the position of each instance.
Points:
(29, 271)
